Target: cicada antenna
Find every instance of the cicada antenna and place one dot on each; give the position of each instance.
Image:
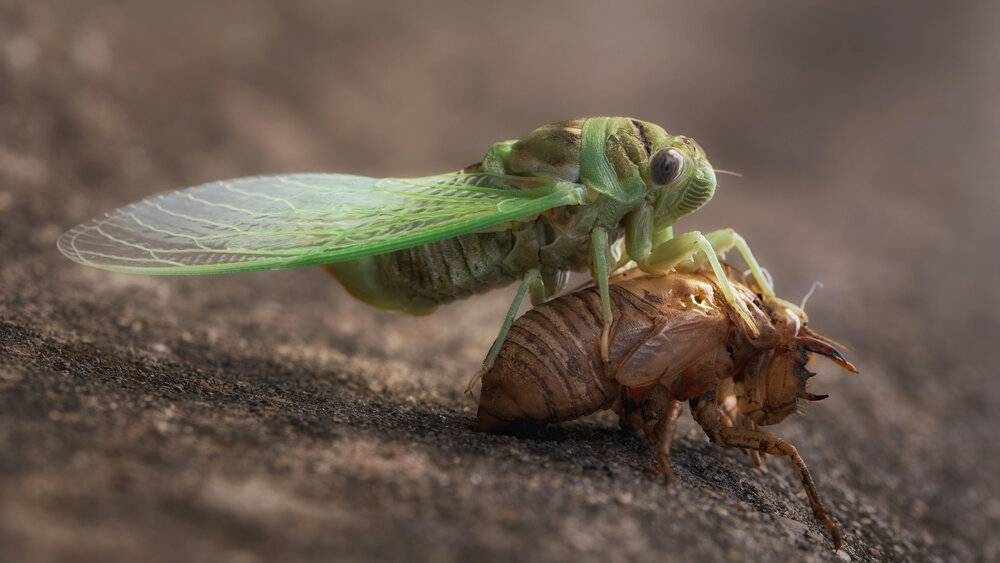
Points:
(815, 284)
(730, 172)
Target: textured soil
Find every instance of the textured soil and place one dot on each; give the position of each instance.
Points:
(268, 416)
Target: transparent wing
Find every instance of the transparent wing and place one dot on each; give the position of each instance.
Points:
(287, 221)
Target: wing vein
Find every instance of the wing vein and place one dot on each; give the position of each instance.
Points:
(230, 187)
(195, 219)
(193, 239)
(223, 205)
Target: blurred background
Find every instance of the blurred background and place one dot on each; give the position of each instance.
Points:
(187, 417)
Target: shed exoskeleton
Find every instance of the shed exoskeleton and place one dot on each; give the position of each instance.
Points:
(675, 338)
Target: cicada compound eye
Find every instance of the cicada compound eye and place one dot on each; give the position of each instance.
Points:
(666, 166)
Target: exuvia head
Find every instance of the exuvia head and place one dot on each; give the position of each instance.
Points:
(769, 387)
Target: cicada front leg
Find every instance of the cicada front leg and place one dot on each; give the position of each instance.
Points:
(724, 240)
(691, 250)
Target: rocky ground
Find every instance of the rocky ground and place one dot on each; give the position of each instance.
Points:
(269, 416)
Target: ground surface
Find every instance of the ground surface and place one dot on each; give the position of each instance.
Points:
(269, 416)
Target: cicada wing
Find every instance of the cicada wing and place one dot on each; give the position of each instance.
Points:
(287, 221)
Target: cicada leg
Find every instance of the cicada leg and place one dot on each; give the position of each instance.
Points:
(722, 241)
(686, 248)
(706, 412)
(532, 283)
(655, 413)
(665, 437)
(726, 399)
(725, 239)
(601, 259)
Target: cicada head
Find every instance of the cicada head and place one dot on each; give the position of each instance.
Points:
(769, 387)
(678, 176)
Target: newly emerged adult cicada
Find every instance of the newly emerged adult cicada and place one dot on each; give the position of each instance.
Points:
(674, 338)
(533, 210)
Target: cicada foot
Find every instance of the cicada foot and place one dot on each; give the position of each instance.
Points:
(475, 379)
(605, 340)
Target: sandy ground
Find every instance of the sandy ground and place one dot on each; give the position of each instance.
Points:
(268, 416)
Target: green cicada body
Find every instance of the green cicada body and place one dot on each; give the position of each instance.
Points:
(555, 242)
(534, 209)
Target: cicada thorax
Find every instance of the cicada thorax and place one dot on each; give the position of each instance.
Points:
(631, 168)
(555, 149)
(551, 150)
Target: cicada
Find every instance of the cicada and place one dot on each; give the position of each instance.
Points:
(674, 339)
(586, 194)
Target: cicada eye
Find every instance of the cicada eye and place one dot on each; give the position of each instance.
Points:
(666, 166)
